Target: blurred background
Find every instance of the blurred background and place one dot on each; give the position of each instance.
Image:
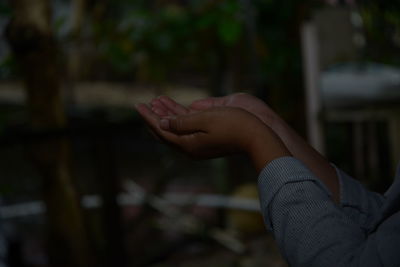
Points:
(82, 182)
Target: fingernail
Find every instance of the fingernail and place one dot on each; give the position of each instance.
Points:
(164, 124)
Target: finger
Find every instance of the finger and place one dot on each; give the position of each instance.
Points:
(186, 124)
(186, 143)
(207, 103)
(159, 108)
(174, 107)
(149, 116)
(153, 121)
(160, 104)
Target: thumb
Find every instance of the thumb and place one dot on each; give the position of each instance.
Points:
(185, 124)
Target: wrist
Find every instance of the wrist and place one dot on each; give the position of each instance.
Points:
(281, 129)
(265, 147)
(273, 121)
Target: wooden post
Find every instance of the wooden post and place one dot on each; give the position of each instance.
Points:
(30, 36)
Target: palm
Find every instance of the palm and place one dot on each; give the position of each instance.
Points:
(249, 103)
(164, 106)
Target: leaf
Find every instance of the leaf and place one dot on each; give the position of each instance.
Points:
(230, 31)
(205, 21)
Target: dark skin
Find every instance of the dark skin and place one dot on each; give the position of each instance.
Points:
(217, 132)
(279, 139)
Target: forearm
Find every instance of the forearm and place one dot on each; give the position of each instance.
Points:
(301, 150)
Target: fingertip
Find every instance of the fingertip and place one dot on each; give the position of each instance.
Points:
(160, 112)
(152, 102)
(141, 107)
(138, 105)
(167, 100)
(164, 124)
(160, 103)
(155, 102)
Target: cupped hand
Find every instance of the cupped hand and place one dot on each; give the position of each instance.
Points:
(206, 134)
(293, 142)
(165, 106)
(217, 132)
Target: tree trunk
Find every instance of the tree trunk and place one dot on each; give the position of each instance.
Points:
(75, 53)
(30, 36)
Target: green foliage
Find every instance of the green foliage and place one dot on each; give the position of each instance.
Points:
(163, 37)
(152, 39)
(5, 10)
(229, 23)
(382, 29)
(278, 26)
(8, 67)
(229, 31)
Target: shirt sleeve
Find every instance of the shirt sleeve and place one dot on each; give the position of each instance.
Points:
(360, 204)
(309, 228)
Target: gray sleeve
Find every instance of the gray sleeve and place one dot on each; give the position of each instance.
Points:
(308, 227)
(360, 204)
